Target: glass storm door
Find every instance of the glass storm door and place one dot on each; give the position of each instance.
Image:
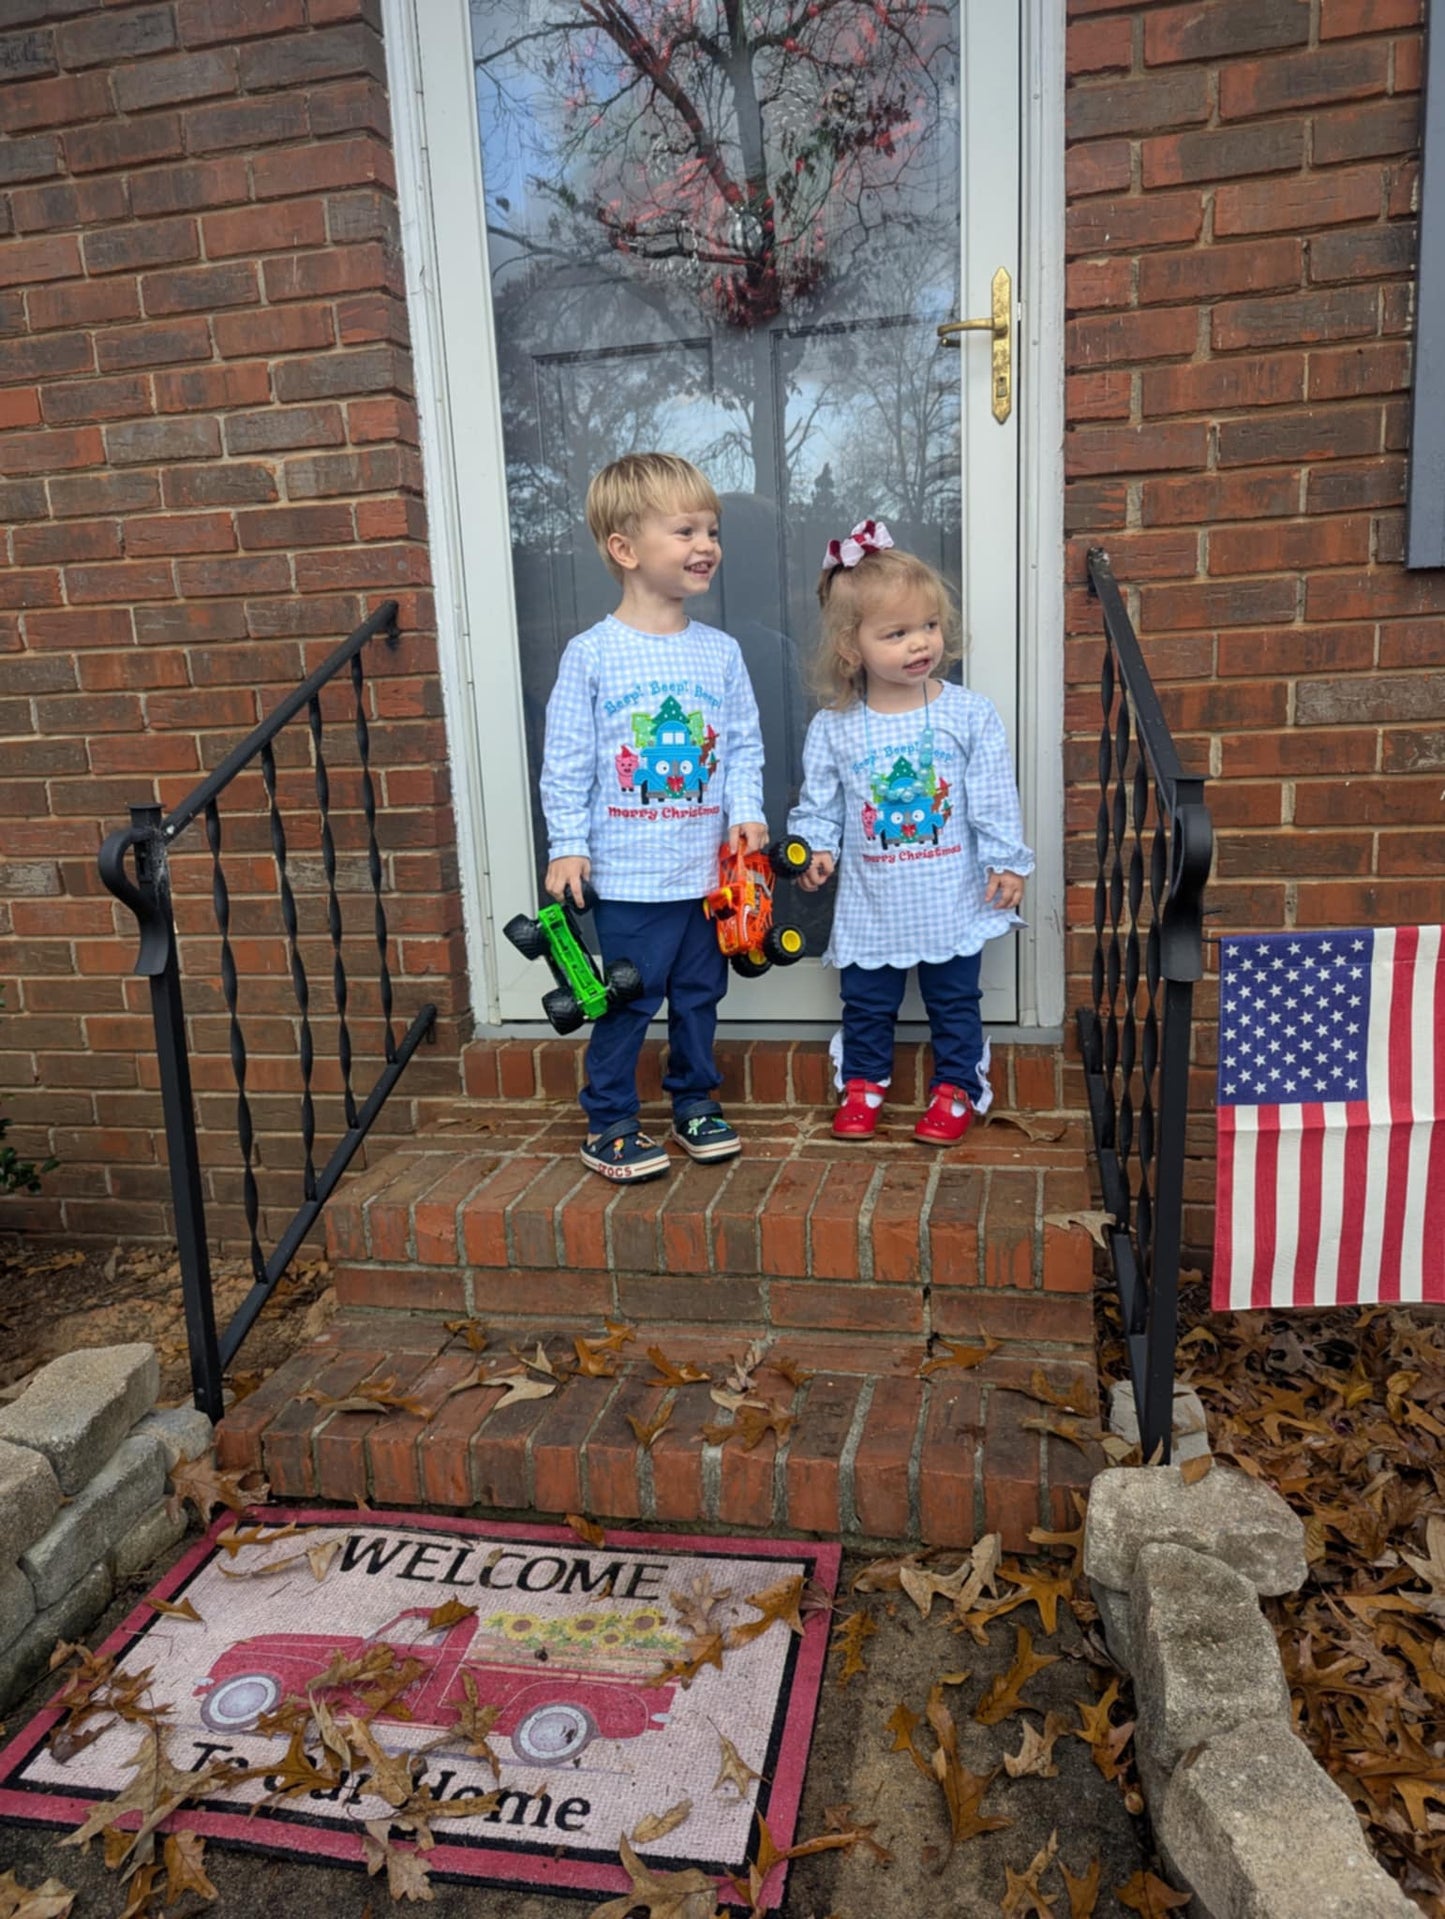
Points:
(732, 231)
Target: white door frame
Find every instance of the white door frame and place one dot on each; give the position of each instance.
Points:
(438, 163)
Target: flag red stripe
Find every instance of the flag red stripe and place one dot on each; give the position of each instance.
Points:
(1432, 1253)
(1355, 1203)
(1266, 1170)
(1311, 1159)
(1397, 1167)
(1223, 1210)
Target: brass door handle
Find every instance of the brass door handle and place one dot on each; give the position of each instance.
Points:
(1000, 326)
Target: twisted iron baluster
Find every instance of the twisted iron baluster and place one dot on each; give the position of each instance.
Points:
(333, 909)
(1101, 861)
(300, 985)
(245, 1132)
(373, 851)
(1153, 973)
(1123, 961)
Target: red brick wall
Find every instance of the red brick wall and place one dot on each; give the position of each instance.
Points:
(1242, 179)
(208, 476)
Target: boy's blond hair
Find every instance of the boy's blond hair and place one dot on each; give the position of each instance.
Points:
(641, 483)
(848, 594)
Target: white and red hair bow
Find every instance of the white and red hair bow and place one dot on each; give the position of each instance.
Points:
(869, 536)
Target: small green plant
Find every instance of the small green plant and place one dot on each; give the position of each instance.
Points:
(19, 1175)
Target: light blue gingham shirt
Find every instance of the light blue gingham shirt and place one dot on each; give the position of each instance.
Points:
(653, 751)
(916, 807)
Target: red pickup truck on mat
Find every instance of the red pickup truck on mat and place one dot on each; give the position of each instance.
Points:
(551, 1706)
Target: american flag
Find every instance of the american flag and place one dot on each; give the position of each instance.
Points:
(1331, 1161)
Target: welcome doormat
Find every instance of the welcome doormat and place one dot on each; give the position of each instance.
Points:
(647, 1685)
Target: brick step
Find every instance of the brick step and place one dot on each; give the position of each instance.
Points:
(877, 1452)
(768, 1072)
(799, 1231)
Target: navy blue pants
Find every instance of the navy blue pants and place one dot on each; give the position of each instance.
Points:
(673, 944)
(872, 996)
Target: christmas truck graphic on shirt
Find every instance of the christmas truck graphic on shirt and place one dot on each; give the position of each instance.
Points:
(907, 805)
(672, 755)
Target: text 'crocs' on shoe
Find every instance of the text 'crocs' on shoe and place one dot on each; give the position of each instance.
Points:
(858, 1114)
(706, 1135)
(949, 1116)
(628, 1154)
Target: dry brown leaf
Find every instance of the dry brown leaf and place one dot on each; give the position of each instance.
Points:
(1105, 1740)
(1002, 1697)
(391, 1777)
(645, 1431)
(406, 1870)
(1431, 1569)
(587, 1530)
(1083, 1892)
(697, 1602)
(1030, 1129)
(518, 1387)
(1150, 1897)
(168, 1610)
(958, 1353)
(1070, 1429)
(1191, 1471)
(235, 1537)
(751, 1424)
(183, 1853)
(962, 1585)
(849, 1635)
(471, 1331)
(778, 1605)
(320, 1556)
(1044, 1589)
(671, 1373)
(1096, 1225)
(660, 1895)
(963, 1790)
(619, 1334)
(196, 1482)
(734, 1770)
(1035, 1756)
(789, 1369)
(740, 1379)
(1072, 1398)
(657, 1825)
(50, 1900)
(451, 1613)
(1022, 1898)
(476, 1721)
(142, 1886)
(596, 1359)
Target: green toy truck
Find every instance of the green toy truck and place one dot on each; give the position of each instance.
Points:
(581, 993)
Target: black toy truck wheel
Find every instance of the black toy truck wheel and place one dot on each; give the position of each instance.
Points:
(560, 1006)
(624, 983)
(527, 936)
(790, 855)
(784, 945)
(749, 965)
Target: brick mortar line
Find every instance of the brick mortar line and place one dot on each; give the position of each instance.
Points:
(925, 1248)
(646, 1485)
(558, 1242)
(509, 1231)
(848, 1522)
(412, 1205)
(1036, 1255)
(865, 1226)
(981, 1230)
(779, 1514)
(468, 1272)
(980, 1503)
(710, 1481)
(712, 1266)
(915, 1465)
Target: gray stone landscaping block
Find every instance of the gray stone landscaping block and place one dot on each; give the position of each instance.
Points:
(1191, 1431)
(29, 1499)
(184, 1431)
(17, 1604)
(1226, 1514)
(152, 1534)
(80, 1407)
(1259, 1831)
(22, 1663)
(102, 1513)
(1114, 1618)
(1205, 1659)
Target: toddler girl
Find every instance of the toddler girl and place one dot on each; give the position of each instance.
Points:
(908, 791)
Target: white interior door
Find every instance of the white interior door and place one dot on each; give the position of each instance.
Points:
(731, 233)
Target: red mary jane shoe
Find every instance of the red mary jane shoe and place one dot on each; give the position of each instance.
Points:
(856, 1118)
(940, 1125)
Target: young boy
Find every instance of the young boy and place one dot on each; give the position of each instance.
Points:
(653, 752)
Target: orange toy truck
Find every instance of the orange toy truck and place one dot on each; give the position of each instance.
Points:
(741, 907)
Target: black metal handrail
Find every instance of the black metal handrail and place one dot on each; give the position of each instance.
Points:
(150, 836)
(1154, 843)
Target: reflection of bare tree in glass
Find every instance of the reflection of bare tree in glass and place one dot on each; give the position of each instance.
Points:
(732, 160)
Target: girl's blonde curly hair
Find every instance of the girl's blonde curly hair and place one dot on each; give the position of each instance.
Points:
(848, 595)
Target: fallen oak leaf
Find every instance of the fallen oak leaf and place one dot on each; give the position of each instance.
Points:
(518, 1387)
(1002, 1697)
(407, 1873)
(475, 1721)
(142, 1890)
(1191, 1471)
(587, 1530)
(734, 1770)
(706, 1649)
(777, 1605)
(235, 1537)
(172, 1610)
(657, 1825)
(320, 1556)
(740, 1379)
(471, 1331)
(696, 1603)
(662, 1895)
(1023, 1898)
(751, 1423)
(962, 1585)
(670, 1373)
(619, 1334)
(849, 1635)
(1105, 1740)
(1034, 1758)
(597, 1361)
(1073, 1398)
(50, 1900)
(1070, 1429)
(645, 1431)
(183, 1852)
(1083, 1892)
(196, 1482)
(1096, 1225)
(963, 1790)
(840, 1819)
(1150, 1897)
(789, 1369)
(958, 1354)
(1044, 1591)
(451, 1613)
